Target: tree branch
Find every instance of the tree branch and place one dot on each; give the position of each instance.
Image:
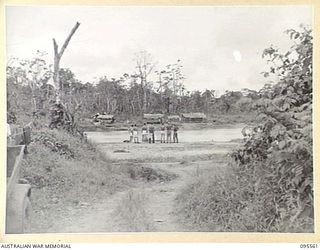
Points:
(55, 47)
(66, 42)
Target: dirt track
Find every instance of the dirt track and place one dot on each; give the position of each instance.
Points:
(185, 160)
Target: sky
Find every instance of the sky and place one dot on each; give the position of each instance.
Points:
(219, 47)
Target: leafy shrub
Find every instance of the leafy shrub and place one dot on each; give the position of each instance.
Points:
(269, 186)
(277, 160)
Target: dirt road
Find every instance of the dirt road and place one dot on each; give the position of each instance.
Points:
(149, 205)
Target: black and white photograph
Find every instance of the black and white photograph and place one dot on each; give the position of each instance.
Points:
(159, 119)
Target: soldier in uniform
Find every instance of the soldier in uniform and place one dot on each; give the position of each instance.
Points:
(162, 133)
(175, 133)
(169, 128)
(144, 133)
(135, 134)
(131, 133)
(151, 134)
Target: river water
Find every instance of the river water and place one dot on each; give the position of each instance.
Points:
(203, 135)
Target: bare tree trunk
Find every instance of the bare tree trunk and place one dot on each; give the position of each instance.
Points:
(132, 107)
(57, 58)
(145, 104)
(145, 66)
(67, 118)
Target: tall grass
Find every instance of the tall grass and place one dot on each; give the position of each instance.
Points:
(132, 213)
(223, 200)
(60, 180)
(204, 204)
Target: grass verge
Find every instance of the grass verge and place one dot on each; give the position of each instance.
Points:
(65, 172)
(225, 200)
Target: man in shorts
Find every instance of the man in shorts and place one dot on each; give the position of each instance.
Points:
(169, 128)
(151, 134)
(163, 133)
(135, 134)
(144, 133)
(131, 133)
(175, 133)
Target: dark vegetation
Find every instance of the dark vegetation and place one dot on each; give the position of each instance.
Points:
(268, 186)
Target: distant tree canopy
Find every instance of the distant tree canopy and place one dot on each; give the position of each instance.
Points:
(130, 95)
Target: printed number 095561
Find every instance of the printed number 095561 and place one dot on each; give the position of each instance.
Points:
(308, 246)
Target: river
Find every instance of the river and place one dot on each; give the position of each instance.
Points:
(203, 135)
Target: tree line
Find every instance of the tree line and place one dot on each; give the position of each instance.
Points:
(29, 90)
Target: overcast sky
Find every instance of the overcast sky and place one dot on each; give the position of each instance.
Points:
(219, 47)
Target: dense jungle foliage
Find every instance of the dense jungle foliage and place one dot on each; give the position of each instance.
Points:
(276, 163)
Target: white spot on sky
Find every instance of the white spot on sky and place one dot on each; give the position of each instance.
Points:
(237, 55)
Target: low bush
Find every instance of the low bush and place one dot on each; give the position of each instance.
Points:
(150, 174)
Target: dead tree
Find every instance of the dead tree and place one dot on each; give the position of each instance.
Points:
(57, 58)
(59, 115)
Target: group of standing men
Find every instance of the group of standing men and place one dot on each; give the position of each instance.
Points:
(168, 133)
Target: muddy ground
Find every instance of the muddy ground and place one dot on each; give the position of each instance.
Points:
(159, 171)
